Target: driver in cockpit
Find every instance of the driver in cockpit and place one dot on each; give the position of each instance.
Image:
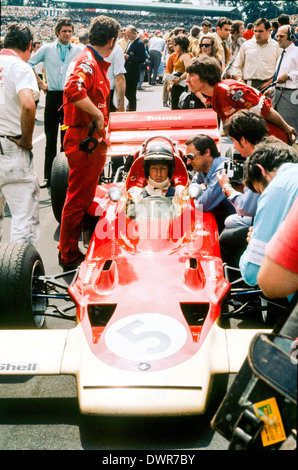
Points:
(159, 165)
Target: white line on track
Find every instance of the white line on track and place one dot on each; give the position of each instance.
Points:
(40, 137)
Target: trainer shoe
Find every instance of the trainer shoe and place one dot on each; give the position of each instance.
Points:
(72, 264)
(44, 184)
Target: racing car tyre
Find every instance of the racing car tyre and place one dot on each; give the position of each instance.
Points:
(20, 264)
(59, 184)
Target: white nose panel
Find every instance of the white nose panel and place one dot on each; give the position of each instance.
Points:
(146, 337)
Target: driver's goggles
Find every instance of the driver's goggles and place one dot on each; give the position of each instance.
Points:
(191, 156)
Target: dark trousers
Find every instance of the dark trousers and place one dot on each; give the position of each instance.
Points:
(112, 107)
(53, 116)
(155, 57)
(131, 89)
(232, 244)
(176, 92)
(255, 83)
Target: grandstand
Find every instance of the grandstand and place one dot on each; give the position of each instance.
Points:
(146, 15)
(201, 11)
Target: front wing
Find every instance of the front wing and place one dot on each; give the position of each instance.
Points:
(107, 390)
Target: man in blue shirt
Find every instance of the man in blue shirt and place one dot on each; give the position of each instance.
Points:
(56, 57)
(272, 171)
(203, 156)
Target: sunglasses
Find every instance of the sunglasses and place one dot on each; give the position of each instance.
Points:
(206, 45)
(191, 156)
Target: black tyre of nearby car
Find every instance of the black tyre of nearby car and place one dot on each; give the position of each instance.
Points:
(20, 266)
(59, 184)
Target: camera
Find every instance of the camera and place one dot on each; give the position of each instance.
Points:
(235, 163)
(235, 170)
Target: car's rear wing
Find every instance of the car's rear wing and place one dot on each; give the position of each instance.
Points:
(127, 135)
(158, 120)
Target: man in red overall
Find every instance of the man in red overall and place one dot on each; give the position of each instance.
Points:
(86, 97)
(229, 96)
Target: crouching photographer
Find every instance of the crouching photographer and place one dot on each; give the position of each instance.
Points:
(246, 129)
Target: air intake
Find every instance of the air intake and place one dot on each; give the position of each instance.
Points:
(194, 276)
(108, 277)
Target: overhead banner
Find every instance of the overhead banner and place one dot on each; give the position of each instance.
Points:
(53, 12)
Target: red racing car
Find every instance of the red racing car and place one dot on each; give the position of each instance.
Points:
(148, 338)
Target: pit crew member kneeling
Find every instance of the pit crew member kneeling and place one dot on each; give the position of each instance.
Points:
(272, 171)
(246, 129)
(229, 96)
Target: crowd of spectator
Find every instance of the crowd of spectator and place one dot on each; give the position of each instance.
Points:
(44, 25)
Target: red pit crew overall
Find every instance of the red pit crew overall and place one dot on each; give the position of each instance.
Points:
(84, 171)
(86, 77)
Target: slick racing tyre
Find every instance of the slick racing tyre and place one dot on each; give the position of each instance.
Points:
(20, 266)
(59, 184)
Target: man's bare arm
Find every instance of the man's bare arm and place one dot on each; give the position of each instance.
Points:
(120, 86)
(276, 119)
(275, 280)
(27, 119)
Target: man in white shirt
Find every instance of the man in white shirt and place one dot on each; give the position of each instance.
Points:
(234, 43)
(123, 40)
(285, 93)
(116, 77)
(206, 27)
(255, 64)
(156, 46)
(18, 182)
(223, 30)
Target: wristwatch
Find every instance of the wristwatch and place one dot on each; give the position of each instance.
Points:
(226, 185)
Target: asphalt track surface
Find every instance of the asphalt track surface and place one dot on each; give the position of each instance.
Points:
(42, 413)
